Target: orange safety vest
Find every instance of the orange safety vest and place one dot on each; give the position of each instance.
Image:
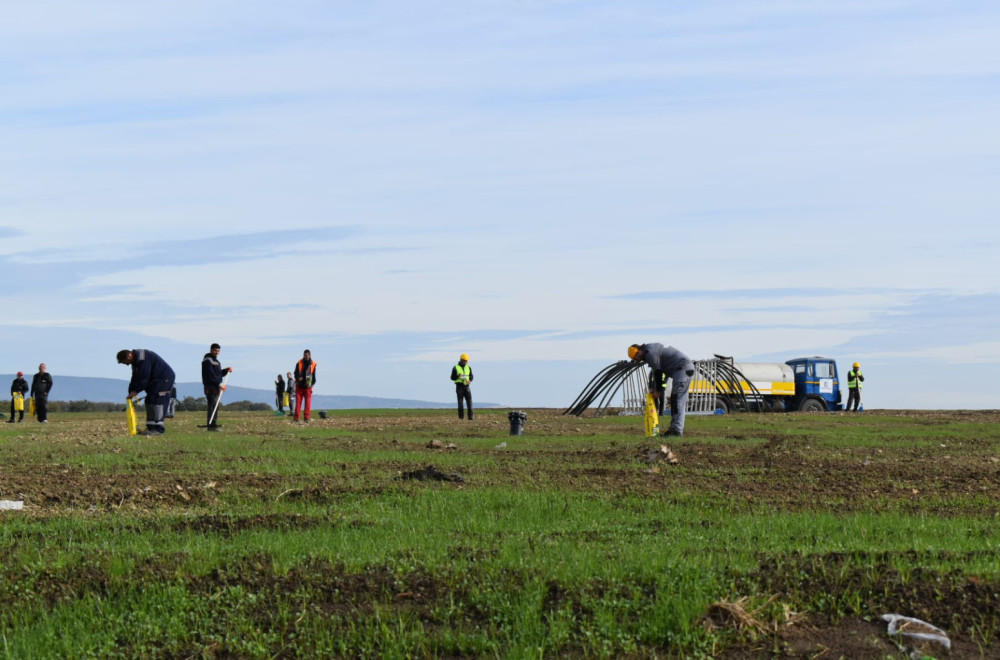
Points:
(312, 368)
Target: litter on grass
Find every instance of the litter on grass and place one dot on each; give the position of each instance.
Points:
(915, 629)
(11, 505)
(662, 454)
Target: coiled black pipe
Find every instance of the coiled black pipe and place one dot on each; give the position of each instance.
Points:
(603, 387)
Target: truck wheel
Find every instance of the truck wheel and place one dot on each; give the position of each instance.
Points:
(723, 405)
(811, 405)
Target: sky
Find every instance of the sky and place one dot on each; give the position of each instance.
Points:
(536, 183)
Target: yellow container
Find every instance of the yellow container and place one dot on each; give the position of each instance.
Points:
(652, 419)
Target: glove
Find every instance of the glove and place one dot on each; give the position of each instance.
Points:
(222, 387)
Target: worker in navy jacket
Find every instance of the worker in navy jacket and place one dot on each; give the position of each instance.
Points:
(41, 385)
(670, 362)
(212, 375)
(18, 386)
(150, 374)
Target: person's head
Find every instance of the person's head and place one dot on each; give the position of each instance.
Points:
(636, 352)
(306, 355)
(124, 356)
(20, 374)
(214, 349)
(857, 365)
(463, 359)
(289, 374)
(41, 368)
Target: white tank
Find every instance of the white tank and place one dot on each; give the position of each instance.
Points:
(766, 372)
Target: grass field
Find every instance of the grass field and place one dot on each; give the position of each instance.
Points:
(772, 536)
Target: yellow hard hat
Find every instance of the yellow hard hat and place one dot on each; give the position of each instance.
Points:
(857, 365)
(464, 356)
(632, 350)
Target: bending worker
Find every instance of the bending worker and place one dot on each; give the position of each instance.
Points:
(854, 380)
(150, 374)
(461, 375)
(667, 362)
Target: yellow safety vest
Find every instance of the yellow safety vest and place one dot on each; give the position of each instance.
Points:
(463, 373)
(852, 380)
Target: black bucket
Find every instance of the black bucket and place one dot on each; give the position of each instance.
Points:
(516, 420)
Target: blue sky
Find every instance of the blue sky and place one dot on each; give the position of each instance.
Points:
(539, 184)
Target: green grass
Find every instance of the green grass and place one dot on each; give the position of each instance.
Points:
(273, 540)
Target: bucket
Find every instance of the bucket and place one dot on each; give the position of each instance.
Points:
(516, 420)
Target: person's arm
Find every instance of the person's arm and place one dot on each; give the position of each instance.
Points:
(48, 385)
(140, 376)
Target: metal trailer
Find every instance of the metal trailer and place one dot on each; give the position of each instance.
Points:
(721, 385)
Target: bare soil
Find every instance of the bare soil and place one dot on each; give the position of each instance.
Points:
(771, 470)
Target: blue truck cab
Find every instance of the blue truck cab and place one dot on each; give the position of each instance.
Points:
(817, 387)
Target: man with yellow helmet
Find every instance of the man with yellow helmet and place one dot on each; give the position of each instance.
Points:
(461, 375)
(667, 361)
(854, 380)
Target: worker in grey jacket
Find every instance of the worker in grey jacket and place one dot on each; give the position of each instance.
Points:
(670, 362)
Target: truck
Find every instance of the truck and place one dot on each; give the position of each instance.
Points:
(805, 384)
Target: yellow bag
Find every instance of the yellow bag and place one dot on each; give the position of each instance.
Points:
(652, 419)
(18, 402)
(31, 406)
(133, 422)
(285, 400)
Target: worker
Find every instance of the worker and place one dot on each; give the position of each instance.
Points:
(213, 375)
(661, 387)
(461, 375)
(150, 374)
(670, 362)
(305, 378)
(279, 394)
(41, 385)
(854, 380)
(18, 388)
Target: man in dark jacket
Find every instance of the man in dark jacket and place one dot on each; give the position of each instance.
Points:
(461, 375)
(212, 375)
(279, 393)
(667, 361)
(18, 388)
(41, 384)
(290, 383)
(150, 374)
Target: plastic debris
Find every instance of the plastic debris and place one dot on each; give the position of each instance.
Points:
(11, 505)
(915, 629)
(662, 454)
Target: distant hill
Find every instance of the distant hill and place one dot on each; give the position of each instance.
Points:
(76, 388)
